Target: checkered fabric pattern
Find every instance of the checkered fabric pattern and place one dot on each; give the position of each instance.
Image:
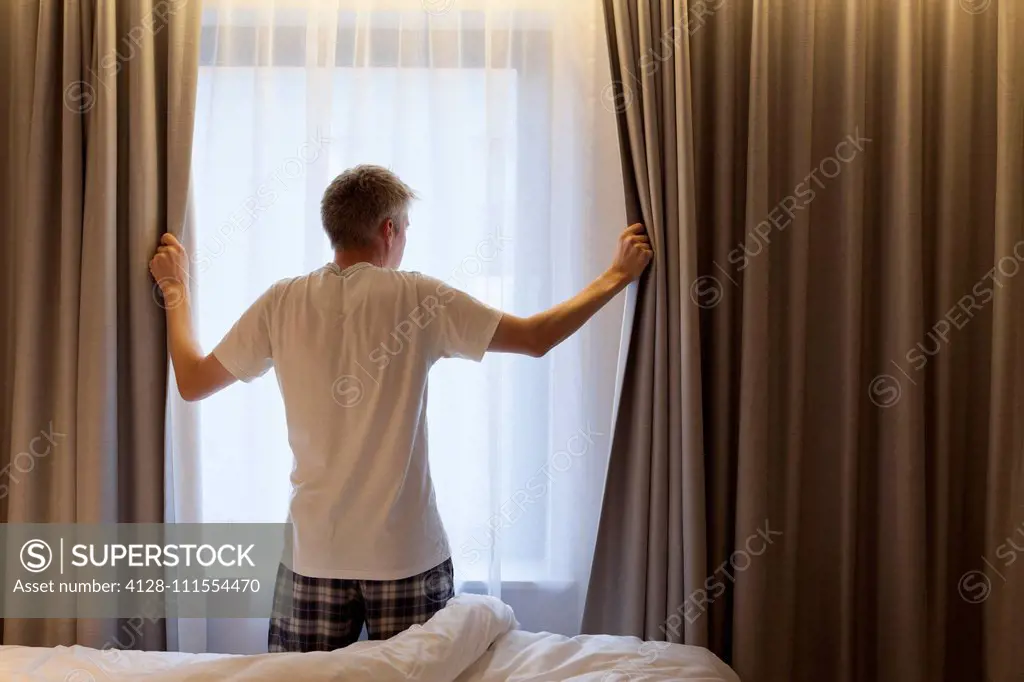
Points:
(323, 614)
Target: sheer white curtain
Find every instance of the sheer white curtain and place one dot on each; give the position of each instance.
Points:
(493, 112)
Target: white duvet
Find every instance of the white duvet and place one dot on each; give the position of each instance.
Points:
(473, 639)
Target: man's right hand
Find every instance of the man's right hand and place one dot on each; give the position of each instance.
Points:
(634, 253)
(538, 334)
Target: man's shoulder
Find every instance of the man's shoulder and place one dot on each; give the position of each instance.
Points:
(383, 280)
(278, 288)
(404, 279)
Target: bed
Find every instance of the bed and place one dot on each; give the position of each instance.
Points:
(473, 639)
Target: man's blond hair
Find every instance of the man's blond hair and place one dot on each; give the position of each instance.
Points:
(358, 201)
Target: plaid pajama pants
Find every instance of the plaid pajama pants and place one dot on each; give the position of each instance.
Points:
(323, 614)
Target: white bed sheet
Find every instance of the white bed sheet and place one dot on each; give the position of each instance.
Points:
(473, 639)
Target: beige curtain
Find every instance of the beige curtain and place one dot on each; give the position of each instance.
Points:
(818, 463)
(99, 100)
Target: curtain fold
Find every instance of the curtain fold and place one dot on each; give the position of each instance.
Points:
(98, 133)
(841, 498)
(658, 413)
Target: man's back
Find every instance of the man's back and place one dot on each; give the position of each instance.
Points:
(351, 350)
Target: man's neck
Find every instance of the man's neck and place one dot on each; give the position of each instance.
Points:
(349, 257)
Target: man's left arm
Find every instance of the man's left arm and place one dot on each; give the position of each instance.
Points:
(198, 375)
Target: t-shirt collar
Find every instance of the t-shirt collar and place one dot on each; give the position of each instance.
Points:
(336, 269)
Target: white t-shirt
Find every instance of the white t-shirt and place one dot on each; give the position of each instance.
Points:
(351, 350)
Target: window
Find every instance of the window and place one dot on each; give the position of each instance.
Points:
(476, 112)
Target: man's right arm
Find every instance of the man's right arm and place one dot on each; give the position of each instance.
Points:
(538, 334)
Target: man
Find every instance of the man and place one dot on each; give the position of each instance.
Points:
(368, 541)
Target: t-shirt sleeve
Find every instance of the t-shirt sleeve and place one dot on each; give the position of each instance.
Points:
(246, 349)
(461, 325)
